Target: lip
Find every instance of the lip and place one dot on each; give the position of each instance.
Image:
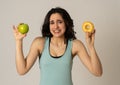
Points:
(56, 31)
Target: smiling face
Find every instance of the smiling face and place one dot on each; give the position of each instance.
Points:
(57, 25)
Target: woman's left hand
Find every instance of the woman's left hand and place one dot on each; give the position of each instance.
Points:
(90, 38)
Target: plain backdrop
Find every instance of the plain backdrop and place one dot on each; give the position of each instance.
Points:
(105, 14)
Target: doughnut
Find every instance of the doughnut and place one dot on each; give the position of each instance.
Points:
(88, 26)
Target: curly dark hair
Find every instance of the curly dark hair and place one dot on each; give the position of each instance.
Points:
(69, 33)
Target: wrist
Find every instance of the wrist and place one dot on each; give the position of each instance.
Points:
(91, 47)
(19, 41)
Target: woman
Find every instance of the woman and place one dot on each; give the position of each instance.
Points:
(56, 49)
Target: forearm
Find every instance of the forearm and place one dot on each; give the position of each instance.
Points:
(95, 61)
(20, 60)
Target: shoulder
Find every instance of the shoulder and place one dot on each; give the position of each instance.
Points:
(77, 42)
(77, 45)
(39, 42)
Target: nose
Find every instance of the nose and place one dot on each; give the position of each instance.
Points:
(56, 25)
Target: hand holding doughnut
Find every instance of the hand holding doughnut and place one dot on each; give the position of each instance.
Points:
(88, 26)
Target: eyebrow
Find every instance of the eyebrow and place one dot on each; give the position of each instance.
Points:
(57, 20)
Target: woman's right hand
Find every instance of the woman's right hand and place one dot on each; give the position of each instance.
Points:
(18, 36)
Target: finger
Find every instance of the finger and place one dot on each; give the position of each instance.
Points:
(94, 31)
(15, 29)
(93, 34)
(23, 35)
(86, 34)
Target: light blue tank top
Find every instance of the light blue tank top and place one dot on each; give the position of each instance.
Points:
(56, 71)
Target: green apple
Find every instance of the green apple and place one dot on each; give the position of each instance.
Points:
(23, 28)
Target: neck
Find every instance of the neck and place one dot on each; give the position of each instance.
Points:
(58, 41)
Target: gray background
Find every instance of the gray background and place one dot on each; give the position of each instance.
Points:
(105, 14)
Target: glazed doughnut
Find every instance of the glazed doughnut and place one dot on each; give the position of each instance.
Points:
(88, 26)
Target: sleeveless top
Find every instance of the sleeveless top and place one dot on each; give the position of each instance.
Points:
(56, 71)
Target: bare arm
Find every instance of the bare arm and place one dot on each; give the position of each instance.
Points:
(23, 64)
(91, 60)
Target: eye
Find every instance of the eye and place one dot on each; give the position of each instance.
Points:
(60, 21)
(51, 22)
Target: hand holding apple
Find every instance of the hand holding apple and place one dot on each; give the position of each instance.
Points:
(23, 28)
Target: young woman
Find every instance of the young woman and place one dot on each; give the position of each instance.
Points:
(56, 49)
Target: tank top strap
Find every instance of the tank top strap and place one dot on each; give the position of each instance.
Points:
(46, 43)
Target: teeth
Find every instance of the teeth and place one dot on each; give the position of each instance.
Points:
(56, 31)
